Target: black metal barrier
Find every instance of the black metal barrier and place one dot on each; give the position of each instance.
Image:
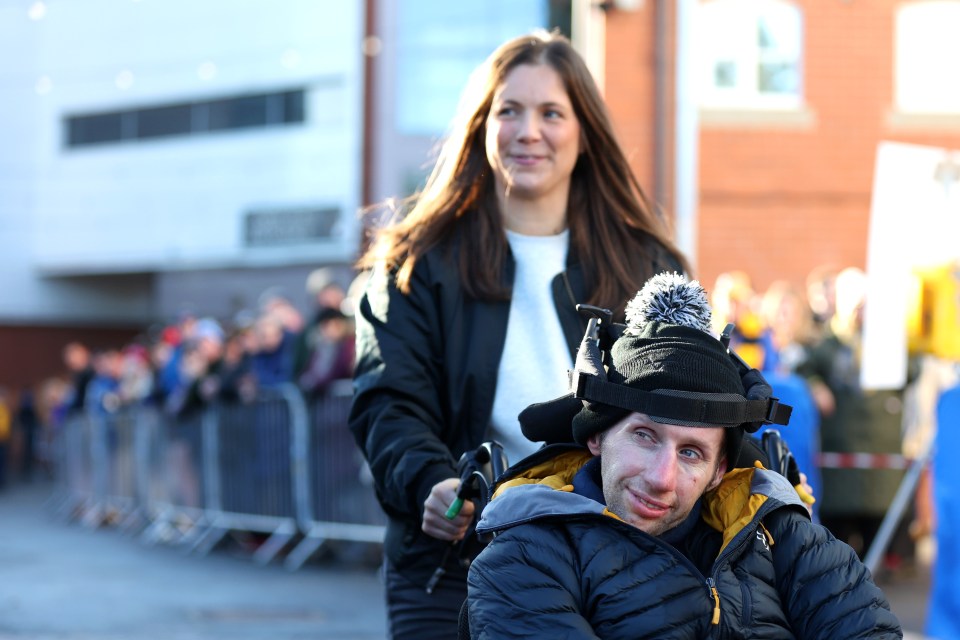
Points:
(277, 466)
(337, 496)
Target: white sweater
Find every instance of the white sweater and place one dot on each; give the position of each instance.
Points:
(535, 358)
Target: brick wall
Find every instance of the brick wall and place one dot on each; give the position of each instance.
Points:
(32, 354)
(779, 197)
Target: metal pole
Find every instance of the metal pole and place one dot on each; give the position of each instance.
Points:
(686, 181)
(894, 514)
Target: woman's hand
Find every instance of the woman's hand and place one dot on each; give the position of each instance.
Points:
(805, 491)
(435, 522)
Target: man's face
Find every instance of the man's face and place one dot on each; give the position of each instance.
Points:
(654, 473)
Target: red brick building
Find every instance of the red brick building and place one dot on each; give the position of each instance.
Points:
(785, 186)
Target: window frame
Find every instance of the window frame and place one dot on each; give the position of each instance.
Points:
(748, 54)
(231, 113)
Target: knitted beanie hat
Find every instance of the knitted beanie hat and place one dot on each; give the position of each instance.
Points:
(667, 350)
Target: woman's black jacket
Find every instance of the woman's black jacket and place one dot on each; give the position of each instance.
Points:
(424, 385)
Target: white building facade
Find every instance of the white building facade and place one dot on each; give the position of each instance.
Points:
(162, 155)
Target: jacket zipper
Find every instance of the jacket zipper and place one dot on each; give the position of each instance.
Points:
(729, 551)
(712, 585)
(712, 590)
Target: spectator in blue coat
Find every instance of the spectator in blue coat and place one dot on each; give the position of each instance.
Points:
(272, 360)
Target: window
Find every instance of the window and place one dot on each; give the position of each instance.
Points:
(163, 121)
(926, 51)
(189, 118)
(94, 129)
(749, 54)
(441, 43)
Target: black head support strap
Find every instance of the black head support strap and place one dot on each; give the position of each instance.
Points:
(588, 383)
(685, 407)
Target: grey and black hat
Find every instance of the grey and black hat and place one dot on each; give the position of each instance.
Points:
(666, 364)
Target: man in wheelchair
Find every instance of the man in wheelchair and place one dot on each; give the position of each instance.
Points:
(635, 522)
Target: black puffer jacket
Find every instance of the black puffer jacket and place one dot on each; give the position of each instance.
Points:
(563, 567)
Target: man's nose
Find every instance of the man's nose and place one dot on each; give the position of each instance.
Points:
(664, 471)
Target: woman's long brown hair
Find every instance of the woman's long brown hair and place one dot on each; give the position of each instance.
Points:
(614, 232)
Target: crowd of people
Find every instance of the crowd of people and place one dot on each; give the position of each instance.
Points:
(815, 335)
(186, 364)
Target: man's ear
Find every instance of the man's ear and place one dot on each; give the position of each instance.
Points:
(594, 442)
(718, 474)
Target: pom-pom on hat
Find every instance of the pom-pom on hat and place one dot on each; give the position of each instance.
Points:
(668, 352)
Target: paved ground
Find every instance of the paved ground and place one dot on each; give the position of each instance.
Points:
(61, 581)
(908, 592)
